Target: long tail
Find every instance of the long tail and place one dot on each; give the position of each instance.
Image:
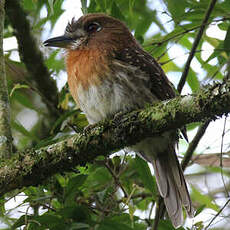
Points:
(172, 186)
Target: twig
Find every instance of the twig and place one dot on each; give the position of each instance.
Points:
(151, 211)
(217, 214)
(195, 44)
(5, 130)
(222, 189)
(193, 144)
(136, 196)
(221, 157)
(159, 43)
(48, 207)
(160, 209)
(116, 179)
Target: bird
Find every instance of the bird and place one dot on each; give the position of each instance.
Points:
(108, 73)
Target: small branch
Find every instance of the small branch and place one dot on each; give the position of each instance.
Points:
(179, 35)
(116, 179)
(199, 135)
(225, 205)
(5, 130)
(221, 157)
(31, 56)
(160, 209)
(34, 166)
(214, 193)
(193, 144)
(211, 160)
(195, 44)
(140, 196)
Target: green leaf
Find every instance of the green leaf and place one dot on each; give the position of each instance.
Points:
(203, 199)
(199, 225)
(73, 188)
(78, 213)
(98, 178)
(145, 175)
(157, 50)
(116, 12)
(28, 5)
(78, 225)
(20, 128)
(200, 209)
(176, 7)
(47, 141)
(113, 225)
(24, 100)
(51, 5)
(84, 6)
(102, 4)
(74, 183)
(18, 86)
(219, 54)
(61, 119)
(178, 32)
(20, 221)
(223, 25)
(167, 225)
(92, 7)
(214, 72)
(40, 222)
(143, 24)
(193, 81)
(53, 63)
(55, 11)
(192, 126)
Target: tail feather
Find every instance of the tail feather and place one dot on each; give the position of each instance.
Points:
(161, 174)
(172, 186)
(180, 182)
(174, 207)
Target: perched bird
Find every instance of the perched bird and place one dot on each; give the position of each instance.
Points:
(109, 72)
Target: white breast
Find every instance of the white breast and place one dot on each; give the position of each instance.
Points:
(100, 102)
(125, 91)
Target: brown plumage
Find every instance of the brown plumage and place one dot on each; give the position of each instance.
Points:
(109, 72)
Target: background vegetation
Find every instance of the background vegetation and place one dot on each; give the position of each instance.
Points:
(118, 192)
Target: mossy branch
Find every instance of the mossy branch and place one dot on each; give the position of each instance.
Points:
(32, 56)
(5, 130)
(33, 167)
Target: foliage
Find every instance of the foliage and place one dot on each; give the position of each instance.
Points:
(118, 192)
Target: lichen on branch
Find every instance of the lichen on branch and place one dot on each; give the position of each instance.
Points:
(5, 130)
(33, 167)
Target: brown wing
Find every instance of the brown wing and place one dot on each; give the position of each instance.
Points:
(159, 84)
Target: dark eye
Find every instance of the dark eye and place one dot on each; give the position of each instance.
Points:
(93, 27)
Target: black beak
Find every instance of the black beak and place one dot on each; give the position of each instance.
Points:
(61, 41)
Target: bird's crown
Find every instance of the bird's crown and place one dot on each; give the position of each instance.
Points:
(93, 30)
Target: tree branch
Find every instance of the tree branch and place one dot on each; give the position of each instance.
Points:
(193, 144)
(31, 56)
(195, 44)
(5, 130)
(34, 166)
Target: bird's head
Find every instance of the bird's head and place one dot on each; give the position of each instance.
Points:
(93, 30)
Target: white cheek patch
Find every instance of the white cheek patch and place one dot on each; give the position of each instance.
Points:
(79, 37)
(77, 43)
